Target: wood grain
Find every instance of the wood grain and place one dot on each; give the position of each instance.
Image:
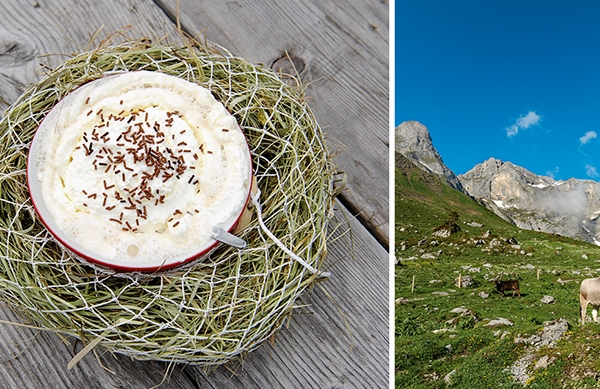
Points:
(340, 49)
(47, 32)
(338, 335)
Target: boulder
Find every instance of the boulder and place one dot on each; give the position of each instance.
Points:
(448, 377)
(465, 281)
(499, 322)
(544, 362)
(547, 299)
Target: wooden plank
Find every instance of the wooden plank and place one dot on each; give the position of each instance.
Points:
(339, 336)
(340, 49)
(38, 359)
(55, 29)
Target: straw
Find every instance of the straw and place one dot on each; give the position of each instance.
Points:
(215, 310)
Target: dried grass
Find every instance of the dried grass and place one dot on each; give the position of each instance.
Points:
(218, 309)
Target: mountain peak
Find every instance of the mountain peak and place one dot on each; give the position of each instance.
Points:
(414, 142)
(536, 202)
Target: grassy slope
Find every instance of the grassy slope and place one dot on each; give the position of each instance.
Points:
(478, 355)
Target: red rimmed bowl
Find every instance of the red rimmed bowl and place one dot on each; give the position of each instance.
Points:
(139, 172)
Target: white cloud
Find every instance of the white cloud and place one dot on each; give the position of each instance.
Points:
(591, 171)
(588, 136)
(512, 130)
(564, 201)
(523, 122)
(552, 173)
(531, 119)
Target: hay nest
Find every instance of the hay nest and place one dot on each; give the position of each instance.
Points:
(217, 309)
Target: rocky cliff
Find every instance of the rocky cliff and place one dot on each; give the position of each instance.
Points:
(533, 202)
(412, 140)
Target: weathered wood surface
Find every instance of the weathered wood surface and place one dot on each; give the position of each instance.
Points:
(340, 49)
(340, 339)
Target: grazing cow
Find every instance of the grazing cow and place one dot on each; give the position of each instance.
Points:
(513, 285)
(589, 294)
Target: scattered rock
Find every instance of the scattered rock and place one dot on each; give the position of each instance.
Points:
(562, 282)
(465, 281)
(435, 281)
(452, 321)
(463, 311)
(428, 256)
(553, 330)
(442, 330)
(584, 256)
(495, 242)
(512, 240)
(422, 242)
(501, 334)
(532, 340)
(544, 362)
(440, 293)
(475, 270)
(529, 266)
(442, 233)
(484, 295)
(474, 224)
(448, 377)
(547, 299)
(486, 234)
(519, 369)
(499, 322)
(402, 300)
(516, 246)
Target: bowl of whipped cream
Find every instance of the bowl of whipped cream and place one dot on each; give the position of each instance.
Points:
(139, 171)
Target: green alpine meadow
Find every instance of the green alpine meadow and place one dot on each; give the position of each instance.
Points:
(454, 326)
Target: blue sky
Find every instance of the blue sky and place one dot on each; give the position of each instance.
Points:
(514, 80)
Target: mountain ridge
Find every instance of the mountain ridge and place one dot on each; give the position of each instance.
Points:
(570, 208)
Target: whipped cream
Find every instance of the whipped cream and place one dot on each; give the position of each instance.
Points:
(138, 168)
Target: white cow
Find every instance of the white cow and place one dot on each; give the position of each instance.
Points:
(589, 293)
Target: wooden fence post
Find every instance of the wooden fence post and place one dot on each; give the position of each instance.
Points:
(412, 288)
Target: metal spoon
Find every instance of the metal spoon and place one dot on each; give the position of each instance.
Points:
(227, 238)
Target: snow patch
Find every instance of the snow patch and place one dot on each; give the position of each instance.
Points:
(500, 204)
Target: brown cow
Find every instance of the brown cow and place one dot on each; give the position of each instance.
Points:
(513, 285)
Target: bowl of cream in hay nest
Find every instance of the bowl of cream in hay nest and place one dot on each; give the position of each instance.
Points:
(139, 171)
(110, 231)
